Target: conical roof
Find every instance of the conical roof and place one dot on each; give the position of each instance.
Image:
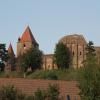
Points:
(27, 36)
(10, 50)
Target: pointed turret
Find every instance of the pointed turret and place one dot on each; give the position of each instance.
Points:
(27, 36)
(11, 61)
(10, 50)
(26, 42)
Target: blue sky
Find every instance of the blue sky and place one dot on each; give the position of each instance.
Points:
(49, 20)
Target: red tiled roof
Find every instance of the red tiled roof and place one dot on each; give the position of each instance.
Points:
(27, 36)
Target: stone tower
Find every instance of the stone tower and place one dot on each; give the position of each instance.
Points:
(76, 44)
(26, 42)
(11, 61)
(10, 50)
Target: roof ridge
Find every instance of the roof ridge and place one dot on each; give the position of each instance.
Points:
(27, 36)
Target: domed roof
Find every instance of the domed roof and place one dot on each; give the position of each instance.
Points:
(74, 39)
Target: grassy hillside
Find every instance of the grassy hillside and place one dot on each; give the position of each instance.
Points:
(68, 74)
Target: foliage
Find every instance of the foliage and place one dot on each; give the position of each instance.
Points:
(90, 82)
(50, 75)
(3, 56)
(62, 56)
(31, 59)
(39, 95)
(10, 93)
(52, 93)
(90, 49)
(71, 74)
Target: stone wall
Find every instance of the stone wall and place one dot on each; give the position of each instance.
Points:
(29, 86)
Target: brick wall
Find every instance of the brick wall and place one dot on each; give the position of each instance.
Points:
(29, 86)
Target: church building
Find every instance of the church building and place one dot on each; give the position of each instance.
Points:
(75, 43)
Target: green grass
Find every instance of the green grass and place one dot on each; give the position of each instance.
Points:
(12, 74)
(66, 74)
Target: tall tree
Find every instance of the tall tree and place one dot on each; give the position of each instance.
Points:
(32, 59)
(3, 56)
(90, 83)
(62, 56)
(90, 51)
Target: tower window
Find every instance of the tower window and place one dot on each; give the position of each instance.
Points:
(68, 97)
(73, 53)
(24, 45)
(19, 39)
(80, 53)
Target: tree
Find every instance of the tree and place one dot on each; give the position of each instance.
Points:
(11, 93)
(31, 59)
(39, 95)
(90, 83)
(90, 51)
(53, 92)
(3, 56)
(62, 56)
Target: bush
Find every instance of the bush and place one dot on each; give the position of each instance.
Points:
(50, 75)
(52, 93)
(10, 93)
(39, 95)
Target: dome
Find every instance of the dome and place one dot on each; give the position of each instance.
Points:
(73, 39)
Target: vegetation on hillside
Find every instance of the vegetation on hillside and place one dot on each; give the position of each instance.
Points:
(67, 74)
(11, 93)
(89, 83)
(52, 93)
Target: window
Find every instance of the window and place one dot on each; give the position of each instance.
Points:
(73, 53)
(68, 97)
(80, 53)
(24, 46)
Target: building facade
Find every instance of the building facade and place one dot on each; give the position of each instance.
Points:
(75, 43)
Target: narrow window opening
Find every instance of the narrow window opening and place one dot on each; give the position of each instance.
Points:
(80, 53)
(68, 97)
(24, 46)
(73, 53)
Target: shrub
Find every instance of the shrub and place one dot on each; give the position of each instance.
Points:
(52, 93)
(39, 95)
(50, 75)
(10, 93)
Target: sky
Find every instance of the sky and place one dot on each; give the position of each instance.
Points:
(49, 20)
